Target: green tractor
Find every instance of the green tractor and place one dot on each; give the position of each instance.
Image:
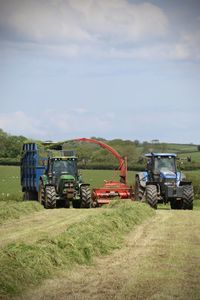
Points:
(53, 178)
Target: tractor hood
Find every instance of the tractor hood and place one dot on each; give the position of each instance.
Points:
(67, 177)
(167, 175)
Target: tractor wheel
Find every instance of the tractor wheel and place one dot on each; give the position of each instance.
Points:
(151, 196)
(188, 196)
(86, 199)
(139, 191)
(50, 197)
(41, 194)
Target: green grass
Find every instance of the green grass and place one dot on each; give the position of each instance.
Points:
(96, 178)
(24, 264)
(10, 183)
(10, 188)
(10, 180)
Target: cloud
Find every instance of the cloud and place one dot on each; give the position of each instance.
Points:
(57, 125)
(77, 122)
(20, 123)
(96, 28)
(75, 28)
(83, 20)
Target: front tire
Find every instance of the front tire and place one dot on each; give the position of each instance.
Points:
(86, 199)
(151, 196)
(50, 197)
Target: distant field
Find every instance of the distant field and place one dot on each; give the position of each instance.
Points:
(10, 179)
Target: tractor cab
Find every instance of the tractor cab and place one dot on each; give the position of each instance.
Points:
(60, 166)
(161, 166)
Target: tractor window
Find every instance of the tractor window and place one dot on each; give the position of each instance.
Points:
(165, 164)
(60, 166)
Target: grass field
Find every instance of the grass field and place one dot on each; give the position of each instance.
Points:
(52, 244)
(99, 233)
(10, 180)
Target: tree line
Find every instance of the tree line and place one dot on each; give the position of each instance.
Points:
(92, 156)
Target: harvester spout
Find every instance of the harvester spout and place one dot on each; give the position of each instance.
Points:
(122, 160)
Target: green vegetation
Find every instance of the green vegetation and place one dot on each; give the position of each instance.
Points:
(10, 148)
(10, 183)
(194, 177)
(92, 156)
(10, 188)
(24, 264)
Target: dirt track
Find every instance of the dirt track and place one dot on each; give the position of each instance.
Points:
(160, 260)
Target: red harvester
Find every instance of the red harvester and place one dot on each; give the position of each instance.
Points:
(111, 189)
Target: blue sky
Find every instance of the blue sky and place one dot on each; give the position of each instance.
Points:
(112, 69)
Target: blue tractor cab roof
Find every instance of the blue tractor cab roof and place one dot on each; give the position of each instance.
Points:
(160, 154)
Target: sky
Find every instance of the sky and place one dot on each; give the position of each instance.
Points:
(126, 69)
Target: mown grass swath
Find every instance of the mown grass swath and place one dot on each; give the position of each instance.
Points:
(24, 264)
(15, 209)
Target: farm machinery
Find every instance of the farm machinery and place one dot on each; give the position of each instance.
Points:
(163, 183)
(51, 177)
(111, 189)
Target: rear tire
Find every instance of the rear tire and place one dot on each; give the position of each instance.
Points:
(86, 199)
(188, 196)
(151, 196)
(41, 194)
(50, 197)
(139, 191)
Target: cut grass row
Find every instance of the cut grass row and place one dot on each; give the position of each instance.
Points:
(23, 264)
(15, 209)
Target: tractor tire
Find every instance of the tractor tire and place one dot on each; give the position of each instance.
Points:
(151, 196)
(50, 197)
(86, 199)
(41, 194)
(188, 196)
(139, 190)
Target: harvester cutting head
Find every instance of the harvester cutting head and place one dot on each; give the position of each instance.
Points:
(111, 189)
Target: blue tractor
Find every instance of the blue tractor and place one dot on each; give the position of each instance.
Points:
(161, 182)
